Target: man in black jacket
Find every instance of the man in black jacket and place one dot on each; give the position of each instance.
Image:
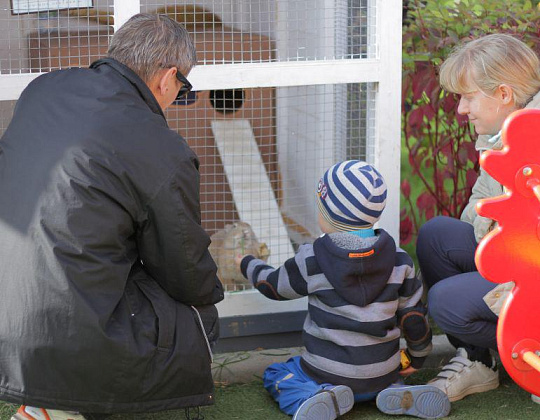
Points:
(105, 274)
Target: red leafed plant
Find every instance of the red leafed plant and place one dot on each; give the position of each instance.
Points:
(440, 163)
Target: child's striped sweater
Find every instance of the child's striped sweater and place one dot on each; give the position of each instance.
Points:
(360, 301)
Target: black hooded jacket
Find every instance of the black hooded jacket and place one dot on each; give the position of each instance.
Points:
(102, 255)
(358, 276)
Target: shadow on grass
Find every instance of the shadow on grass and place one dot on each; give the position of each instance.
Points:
(251, 402)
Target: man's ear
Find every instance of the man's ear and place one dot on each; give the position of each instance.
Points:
(164, 80)
(506, 94)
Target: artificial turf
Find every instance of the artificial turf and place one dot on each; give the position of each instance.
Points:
(251, 402)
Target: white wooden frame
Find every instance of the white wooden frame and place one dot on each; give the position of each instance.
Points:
(384, 71)
(25, 6)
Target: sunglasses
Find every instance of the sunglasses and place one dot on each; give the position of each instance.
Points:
(186, 86)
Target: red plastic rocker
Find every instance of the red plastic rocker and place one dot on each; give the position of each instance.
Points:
(511, 251)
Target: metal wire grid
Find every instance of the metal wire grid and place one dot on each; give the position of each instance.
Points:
(6, 113)
(247, 31)
(361, 123)
(298, 132)
(230, 31)
(53, 38)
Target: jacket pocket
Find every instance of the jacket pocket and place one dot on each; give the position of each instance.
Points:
(164, 309)
(496, 298)
(201, 327)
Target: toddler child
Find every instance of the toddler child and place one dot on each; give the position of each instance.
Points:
(362, 296)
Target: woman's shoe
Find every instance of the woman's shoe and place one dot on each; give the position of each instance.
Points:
(26, 412)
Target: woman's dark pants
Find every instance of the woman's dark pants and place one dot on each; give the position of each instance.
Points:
(445, 251)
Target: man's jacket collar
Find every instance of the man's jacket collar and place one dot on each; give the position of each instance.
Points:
(135, 80)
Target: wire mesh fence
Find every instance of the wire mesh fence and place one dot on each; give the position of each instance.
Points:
(262, 150)
(228, 31)
(248, 31)
(45, 36)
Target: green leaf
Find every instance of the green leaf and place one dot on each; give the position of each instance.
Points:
(420, 57)
(478, 9)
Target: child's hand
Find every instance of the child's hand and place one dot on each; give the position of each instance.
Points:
(238, 260)
(407, 372)
(406, 368)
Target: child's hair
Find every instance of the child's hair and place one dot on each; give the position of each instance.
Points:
(351, 195)
(486, 63)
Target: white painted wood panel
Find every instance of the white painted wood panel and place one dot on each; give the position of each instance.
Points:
(237, 76)
(387, 141)
(250, 186)
(123, 10)
(251, 302)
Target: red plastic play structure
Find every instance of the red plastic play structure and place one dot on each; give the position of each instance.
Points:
(511, 251)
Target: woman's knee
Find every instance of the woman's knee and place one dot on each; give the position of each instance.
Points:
(442, 306)
(433, 228)
(442, 235)
(435, 301)
(430, 232)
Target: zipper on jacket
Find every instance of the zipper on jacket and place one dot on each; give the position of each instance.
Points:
(204, 334)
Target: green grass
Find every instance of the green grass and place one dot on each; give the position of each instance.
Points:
(251, 402)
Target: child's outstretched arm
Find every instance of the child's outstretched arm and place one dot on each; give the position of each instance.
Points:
(282, 283)
(412, 315)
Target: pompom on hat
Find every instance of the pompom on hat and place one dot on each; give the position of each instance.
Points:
(351, 195)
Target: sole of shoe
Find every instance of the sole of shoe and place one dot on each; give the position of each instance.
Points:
(475, 389)
(424, 401)
(323, 406)
(21, 414)
(18, 417)
(33, 413)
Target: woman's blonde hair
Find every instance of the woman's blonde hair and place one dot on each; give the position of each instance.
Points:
(486, 63)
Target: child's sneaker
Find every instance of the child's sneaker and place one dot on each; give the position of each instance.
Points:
(26, 412)
(462, 377)
(328, 404)
(424, 401)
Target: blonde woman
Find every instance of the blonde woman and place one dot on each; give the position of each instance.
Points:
(494, 75)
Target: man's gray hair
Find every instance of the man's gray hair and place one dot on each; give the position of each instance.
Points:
(149, 42)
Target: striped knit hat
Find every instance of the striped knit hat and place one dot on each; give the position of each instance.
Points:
(351, 195)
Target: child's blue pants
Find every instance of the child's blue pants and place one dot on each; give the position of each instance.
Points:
(290, 386)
